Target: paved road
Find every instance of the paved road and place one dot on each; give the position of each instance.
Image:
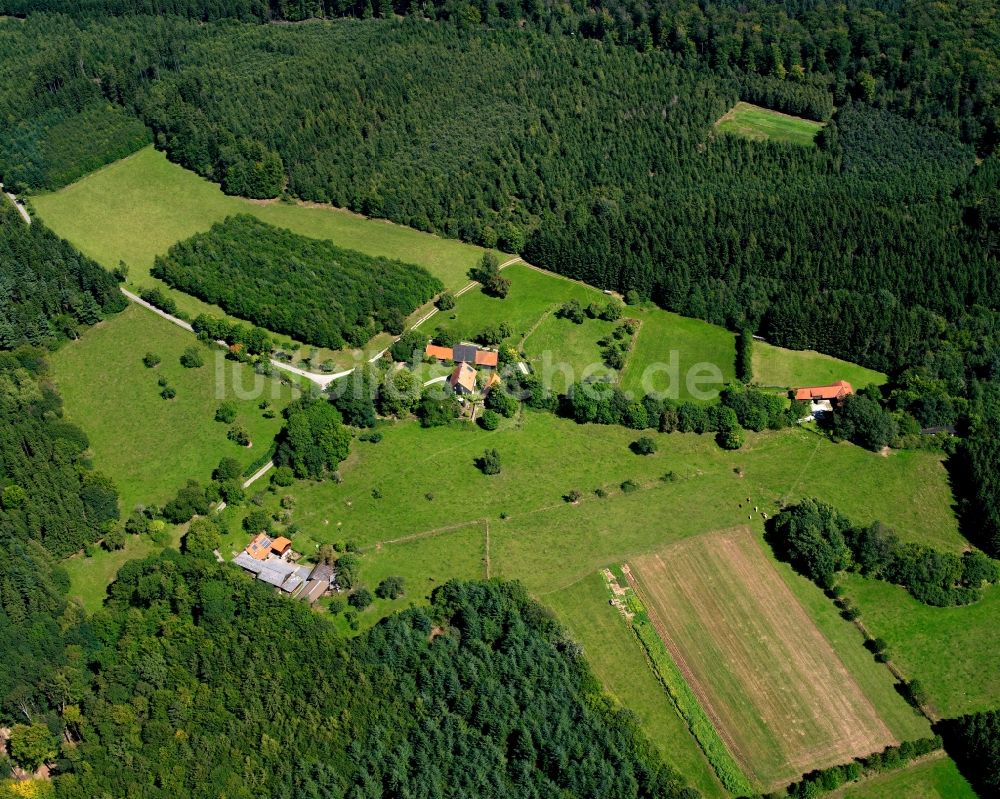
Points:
(140, 301)
(17, 204)
(320, 379)
(246, 484)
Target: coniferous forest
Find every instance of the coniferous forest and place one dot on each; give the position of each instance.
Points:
(578, 135)
(325, 295)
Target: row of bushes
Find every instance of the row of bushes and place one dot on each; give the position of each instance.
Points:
(704, 732)
(819, 542)
(816, 783)
(243, 338)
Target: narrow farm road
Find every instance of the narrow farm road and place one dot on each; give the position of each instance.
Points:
(321, 380)
(246, 484)
(17, 204)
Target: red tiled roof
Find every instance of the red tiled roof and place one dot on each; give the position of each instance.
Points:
(464, 376)
(441, 353)
(486, 358)
(836, 391)
(260, 547)
(280, 545)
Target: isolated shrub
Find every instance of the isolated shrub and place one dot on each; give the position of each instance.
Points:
(600, 493)
(391, 587)
(445, 302)
(573, 496)
(238, 434)
(644, 446)
(489, 463)
(226, 412)
(283, 476)
(613, 311)
(192, 358)
(490, 420)
(360, 599)
(629, 486)
(571, 310)
(168, 392)
(150, 359)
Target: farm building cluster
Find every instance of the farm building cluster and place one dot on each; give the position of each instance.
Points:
(475, 368)
(272, 561)
(823, 399)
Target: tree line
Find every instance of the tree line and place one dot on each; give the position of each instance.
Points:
(820, 542)
(48, 291)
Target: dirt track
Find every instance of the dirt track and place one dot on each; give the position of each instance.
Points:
(779, 694)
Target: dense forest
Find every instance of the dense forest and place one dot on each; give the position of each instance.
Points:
(206, 684)
(856, 247)
(48, 290)
(308, 288)
(937, 62)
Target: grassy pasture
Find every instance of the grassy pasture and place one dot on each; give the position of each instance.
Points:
(776, 366)
(548, 543)
(666, 338)
(150, 446)
(136, 208)
(533, 293)
(773, 684)
(619, 662)
(935, 777)
(945, 648)
(554, 342)
(760, 124)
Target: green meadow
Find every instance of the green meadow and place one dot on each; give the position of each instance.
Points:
(754, 122)
(681, 357)
(945, 648)
(778, 367)
(418, 481)
(533, 294)
(935, 777)
(148, 445)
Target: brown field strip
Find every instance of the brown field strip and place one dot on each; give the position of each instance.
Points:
(781, 697)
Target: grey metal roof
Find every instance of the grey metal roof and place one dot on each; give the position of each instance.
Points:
(464, 353)
(322, 571)
(249, 563)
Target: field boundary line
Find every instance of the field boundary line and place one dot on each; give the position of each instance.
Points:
(631, 350)
(427, 533)
(802, 471)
